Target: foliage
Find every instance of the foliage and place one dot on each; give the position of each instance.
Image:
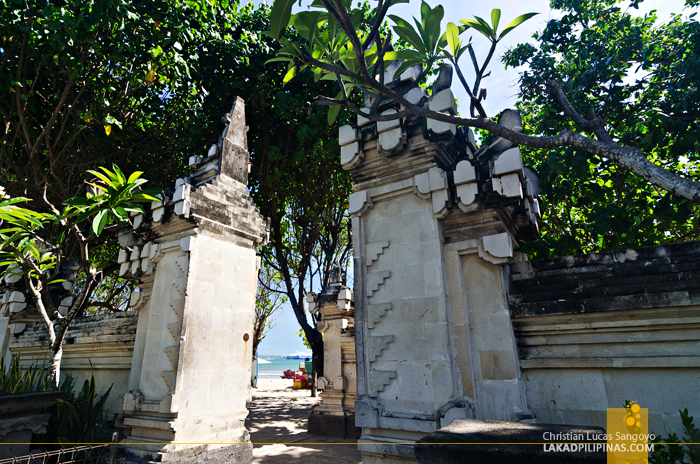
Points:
(104, 82)
(79, 418)
(304, 340)
(644, 78)
(15, 380)
(336, 48)
(341, 50)
(85, 83)
(296, 179)
(34, 244)
(672, 451)
(268, 301)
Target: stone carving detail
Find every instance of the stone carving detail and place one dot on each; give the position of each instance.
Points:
(466, 186)
(377, 312)
(374, 250)
(379, 380)
(375, 280)
(12, 302)
(365, 414)
(351, 153)
(442, 102)
(392, 137)
(36, 423)
(176, 304)
(138, 260)
(377, 345)
(340, 383)
(496, 249)
(323, 383)
(432, 185)
(359, 203)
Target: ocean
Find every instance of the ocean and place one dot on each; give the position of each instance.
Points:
(277, 367)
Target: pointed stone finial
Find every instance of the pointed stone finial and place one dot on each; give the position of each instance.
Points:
(234, 151)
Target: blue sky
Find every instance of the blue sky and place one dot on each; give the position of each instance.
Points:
(501, 86)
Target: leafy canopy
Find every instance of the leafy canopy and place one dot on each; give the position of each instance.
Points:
(642, 73)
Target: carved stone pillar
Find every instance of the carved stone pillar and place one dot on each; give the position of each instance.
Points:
(195, 255)
(435, 221)
(335, 416)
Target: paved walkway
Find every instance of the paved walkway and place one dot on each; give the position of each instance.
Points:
(277, 424)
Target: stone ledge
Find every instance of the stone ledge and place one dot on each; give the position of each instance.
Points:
(487, 442)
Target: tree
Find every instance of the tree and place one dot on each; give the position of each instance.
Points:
(268, 301)
(336, 48)
(84, 84)
(87, 82)
(296, 179)
(299, 184)
(33, 245)
(644, 78)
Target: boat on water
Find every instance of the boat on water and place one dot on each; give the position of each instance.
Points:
(298, 355)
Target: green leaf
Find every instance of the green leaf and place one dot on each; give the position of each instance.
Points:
(98, 223)
(118, 172)
(432, 27)
(134, 176)
(453, 38)
(495, 18)
(333, 113)
(290, 74)
(485, 29)
(100, 176)
(306, 23)
(408, 33)
(515, 23)
(424, 11)
(279, 17)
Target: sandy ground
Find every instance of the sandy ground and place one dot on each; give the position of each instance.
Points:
(277, 423)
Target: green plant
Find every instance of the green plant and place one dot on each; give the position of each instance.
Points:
(80, 418)
(14, 380)
(672, 451)
(34, 244)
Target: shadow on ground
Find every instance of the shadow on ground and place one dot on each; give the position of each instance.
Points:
(277, 423)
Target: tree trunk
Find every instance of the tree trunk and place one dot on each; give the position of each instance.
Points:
(55, 366)
(316, 342)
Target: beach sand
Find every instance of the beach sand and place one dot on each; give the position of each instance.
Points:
(277, 421)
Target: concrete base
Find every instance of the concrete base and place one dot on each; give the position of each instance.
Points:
(330, 425)
(485, 442)
(15, 444)
(238, 454)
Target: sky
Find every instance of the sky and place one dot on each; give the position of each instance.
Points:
(501, 86)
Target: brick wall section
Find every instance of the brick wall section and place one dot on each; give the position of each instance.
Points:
(650, 277)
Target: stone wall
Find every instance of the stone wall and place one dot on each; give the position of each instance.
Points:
(593, 331)
(101, 346)
(434, 219)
